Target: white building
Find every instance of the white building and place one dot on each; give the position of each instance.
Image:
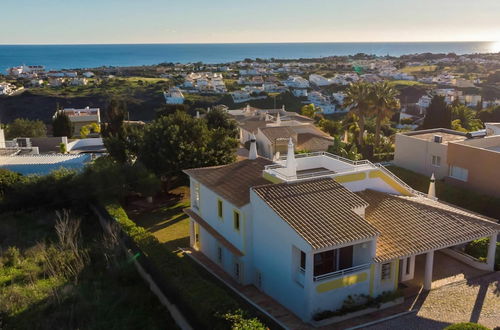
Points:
(6, 88)
(311, 230)
(300, 92)
(296, 82)
(174, 96)
(79, 82)
(319, 80)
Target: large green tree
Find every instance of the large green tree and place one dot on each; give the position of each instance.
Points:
(218, 118)
(358, 98)
(384, 103)
(61, 125)
(438, 114)
(176, 142)
(25, 128)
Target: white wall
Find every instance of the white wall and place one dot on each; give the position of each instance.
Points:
(416, 155)
(2, 138)
(273, 258)
(225, 227)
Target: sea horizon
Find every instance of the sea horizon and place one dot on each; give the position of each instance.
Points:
(82, 56)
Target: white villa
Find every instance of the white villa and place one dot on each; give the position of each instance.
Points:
(311, 229)
(174, 96)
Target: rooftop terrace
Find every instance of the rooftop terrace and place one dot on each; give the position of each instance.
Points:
(324, 164)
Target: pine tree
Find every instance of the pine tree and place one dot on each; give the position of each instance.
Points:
(61, 125)
(438, 114)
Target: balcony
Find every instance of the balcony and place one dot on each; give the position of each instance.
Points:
(342, 272)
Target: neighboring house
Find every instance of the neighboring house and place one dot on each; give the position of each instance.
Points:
(79, 82)
(425, 151)
(312, 230)
(319, 80)
(174, 96)
(296, 82)
(273, 128)
(6, 88)
(469, 160)
(82, 117)
(475, 163)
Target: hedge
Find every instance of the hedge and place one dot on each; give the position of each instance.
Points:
(204, 301)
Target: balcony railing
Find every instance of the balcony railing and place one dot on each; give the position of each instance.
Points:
(342, 272)
(355, 165)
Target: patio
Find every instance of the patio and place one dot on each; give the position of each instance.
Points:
(446, 270)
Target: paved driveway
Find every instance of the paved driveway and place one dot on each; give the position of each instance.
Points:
(476, 300)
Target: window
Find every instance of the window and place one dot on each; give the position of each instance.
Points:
(236, 220)
(333, 260)
(408, 266)
(219, 208)
(219, 254)
(259, 279)
(436, 161)
(386, 271)
(197, 195)
(459, 173)
(237, 270)
(302, 261)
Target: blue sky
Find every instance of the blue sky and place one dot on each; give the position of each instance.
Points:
(204, 21)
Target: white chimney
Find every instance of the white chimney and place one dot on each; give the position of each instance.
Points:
(252, 154)
(432, 187)
(276, 156)
(283, 107)
(197, 115)
(291, 164)
(278, 119)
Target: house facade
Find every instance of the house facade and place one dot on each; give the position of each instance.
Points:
(82, 117)
(458, 157)
(311, 229)
(425, 151)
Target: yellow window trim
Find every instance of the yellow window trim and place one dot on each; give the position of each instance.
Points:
(234, 220)
(220, 209)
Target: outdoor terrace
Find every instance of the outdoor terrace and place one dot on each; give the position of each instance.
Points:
(324, 164)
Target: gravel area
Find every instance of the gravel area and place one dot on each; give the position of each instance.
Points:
(477, 300)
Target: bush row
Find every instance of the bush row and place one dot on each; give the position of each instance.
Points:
(203, 301)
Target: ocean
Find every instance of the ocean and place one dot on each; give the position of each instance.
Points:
(55, 57)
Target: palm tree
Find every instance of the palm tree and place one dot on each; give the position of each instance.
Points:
(384, 102)
(464, 119)
(358, 99)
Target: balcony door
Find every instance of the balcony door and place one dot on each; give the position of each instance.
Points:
(333, 260)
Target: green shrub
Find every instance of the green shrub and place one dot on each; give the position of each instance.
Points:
(466, 326)
(12, 256)
(354, 303)
(479, 249)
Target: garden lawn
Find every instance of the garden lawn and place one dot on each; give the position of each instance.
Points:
(169, 224)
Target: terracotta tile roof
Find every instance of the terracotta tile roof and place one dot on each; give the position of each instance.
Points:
(312, 142)
(252, 124)
(279, 132)
(233, 249)
(414, 225)
(232, 182)
(320, 211)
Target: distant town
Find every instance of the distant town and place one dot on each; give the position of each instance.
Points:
(331, 193)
